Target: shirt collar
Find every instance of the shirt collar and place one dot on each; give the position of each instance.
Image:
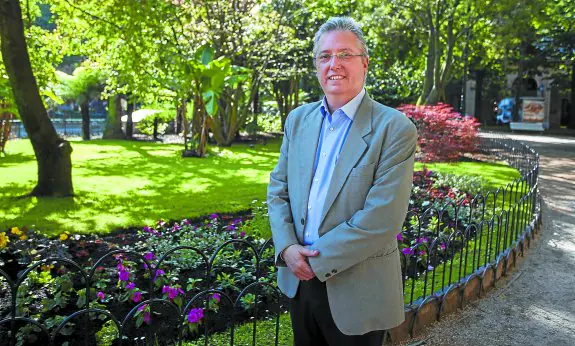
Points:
(349, 109)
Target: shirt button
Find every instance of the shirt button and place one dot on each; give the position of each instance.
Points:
(323, 154)
(331, 128)
(302, 221)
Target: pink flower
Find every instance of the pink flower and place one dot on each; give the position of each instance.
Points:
(195, 315)
(101, 296)
(137, 296)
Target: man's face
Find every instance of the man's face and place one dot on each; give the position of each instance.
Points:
(341, 80)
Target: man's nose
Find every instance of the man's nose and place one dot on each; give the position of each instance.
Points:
(334, 62)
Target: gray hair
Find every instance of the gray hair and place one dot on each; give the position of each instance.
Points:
(340, 24)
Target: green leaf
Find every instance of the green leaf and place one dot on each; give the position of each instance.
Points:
(207, 55)
(210, 102)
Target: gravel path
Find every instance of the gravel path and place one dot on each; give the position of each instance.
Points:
(536, 303)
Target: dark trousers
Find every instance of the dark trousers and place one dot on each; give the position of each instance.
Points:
(313, 323)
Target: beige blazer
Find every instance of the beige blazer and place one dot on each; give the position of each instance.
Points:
(364, 210)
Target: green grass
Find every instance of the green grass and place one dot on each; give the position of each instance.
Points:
(124, 183)
(495, 175)
(265, 334)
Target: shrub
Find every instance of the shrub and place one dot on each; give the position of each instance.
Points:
(443, 133)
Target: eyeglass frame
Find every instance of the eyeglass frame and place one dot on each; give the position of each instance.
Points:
(342, 57)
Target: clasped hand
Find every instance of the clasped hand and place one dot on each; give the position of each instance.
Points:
(295, 256)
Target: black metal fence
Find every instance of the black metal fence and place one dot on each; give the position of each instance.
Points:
(485, 231)
(454, 243)
(63, 126)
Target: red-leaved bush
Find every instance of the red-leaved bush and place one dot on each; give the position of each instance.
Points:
(443, 133)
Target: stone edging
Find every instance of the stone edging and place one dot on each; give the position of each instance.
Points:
(468, 289)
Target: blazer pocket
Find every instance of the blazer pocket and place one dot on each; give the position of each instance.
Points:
(363, 170)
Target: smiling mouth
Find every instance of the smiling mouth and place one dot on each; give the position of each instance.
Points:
(335, 77)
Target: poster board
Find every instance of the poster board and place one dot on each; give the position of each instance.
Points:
(533, 110)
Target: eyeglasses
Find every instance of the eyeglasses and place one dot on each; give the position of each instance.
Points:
(343, 57)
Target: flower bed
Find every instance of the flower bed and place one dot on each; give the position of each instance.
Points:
(213, 260)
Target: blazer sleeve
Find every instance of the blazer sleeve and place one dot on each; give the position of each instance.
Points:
(279, 207)
(373, 228)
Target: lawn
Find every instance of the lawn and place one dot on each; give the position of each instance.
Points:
(121, 184)
(125, 183)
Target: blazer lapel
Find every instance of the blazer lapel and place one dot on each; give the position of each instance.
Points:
(307, 147)
(352, 151)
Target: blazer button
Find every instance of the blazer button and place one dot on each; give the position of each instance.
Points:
(327, 275)
(334, 271)
(302, 221)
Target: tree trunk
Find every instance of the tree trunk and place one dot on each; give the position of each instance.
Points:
(129, 120)
(429, 70)
(85, 111)
(52, 152)
(113, 128)
(179, 121)
(571, 124)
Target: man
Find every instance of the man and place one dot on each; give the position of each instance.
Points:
(337, 199)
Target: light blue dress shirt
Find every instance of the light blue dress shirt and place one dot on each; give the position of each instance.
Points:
(333, 133)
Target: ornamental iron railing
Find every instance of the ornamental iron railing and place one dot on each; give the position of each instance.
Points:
(447, 246)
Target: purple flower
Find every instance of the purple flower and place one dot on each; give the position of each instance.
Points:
(142, 307)
(408, 251)
(147, 317)
(137, 296)
(101, 296)
(442, 246)
(430, 267)
(421, 253)
(399, 236)
(422, 240)
(130, 286)
(216, 297)
(148, 229)
(428, 173)
(149, 256)
(242, 234)
(195, 315)
(186, 222)
(231, 228)
(159, 272)
(124, 275)
(176, 228)
(174, 291)
(213, 216)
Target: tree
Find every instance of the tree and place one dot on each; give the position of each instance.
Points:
(52, 152)
(85, 84)
(558, 42)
